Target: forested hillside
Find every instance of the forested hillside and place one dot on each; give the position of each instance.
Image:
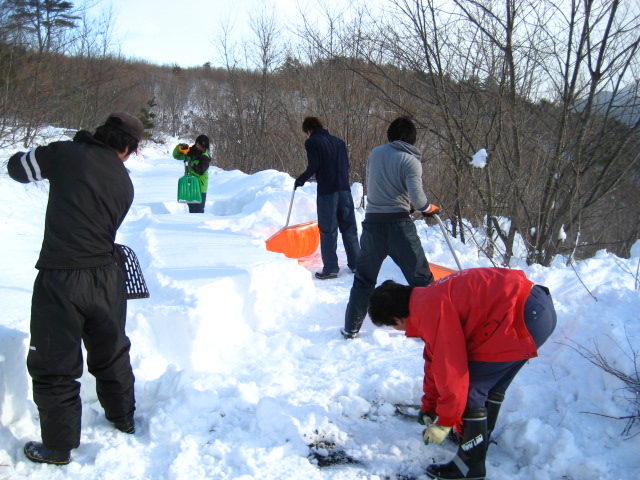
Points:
(549, 89)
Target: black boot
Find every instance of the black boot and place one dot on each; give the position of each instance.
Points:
(468, 464)
(455, 438)
(37, 452)
(126, 426)
(493, 404)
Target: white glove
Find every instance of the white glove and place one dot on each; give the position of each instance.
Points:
(435, 434)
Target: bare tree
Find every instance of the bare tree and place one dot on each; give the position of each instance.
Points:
(538, 85)
(334, 87)
(592, 151)
(250, 104)
(173, 94)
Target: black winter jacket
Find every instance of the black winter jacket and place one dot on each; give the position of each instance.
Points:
(90, 193)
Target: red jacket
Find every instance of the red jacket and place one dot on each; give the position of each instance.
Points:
(475, 314)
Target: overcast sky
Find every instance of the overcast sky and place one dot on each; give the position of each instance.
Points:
(185, 32)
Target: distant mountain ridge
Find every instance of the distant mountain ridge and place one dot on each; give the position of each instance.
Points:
(625, 105)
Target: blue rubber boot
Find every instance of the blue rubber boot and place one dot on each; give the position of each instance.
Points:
(468, 464)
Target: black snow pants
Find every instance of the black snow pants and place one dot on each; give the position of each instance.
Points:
(398, 240)
(70, 307)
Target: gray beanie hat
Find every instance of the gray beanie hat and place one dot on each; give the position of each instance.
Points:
(127, 123)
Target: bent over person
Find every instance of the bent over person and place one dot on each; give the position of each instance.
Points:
(479, 326)
(79, 294)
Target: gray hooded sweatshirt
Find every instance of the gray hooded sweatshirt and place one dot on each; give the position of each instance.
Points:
(394, 179)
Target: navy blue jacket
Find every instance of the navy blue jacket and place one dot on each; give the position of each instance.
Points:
(328, 160)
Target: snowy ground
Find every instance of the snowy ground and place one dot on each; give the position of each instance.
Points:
(241, 372)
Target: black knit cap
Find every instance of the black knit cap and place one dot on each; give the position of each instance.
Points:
(127, 123)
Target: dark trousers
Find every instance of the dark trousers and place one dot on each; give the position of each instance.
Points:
(336, 212)
(398, 240)
(68, 307)
(198, 207)
(484, 377)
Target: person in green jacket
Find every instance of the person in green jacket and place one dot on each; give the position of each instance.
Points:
(198, 160)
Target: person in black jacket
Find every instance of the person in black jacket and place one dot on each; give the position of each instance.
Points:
(79, 294)
(328, 160)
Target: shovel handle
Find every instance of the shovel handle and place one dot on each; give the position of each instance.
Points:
(290, 206)
(446, 237)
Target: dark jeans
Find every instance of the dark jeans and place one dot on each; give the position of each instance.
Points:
(198, 207)
(69, 307)
(336, 212)
(398, 240)
(484, 377)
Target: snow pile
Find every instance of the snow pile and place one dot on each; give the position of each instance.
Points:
(241, 372)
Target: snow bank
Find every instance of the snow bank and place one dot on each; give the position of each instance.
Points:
(241, 372)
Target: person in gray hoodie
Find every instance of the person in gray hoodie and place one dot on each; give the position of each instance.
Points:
(394, 182)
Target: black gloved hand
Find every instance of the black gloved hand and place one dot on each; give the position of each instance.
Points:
(195, 152)
(203, 164)
(298, 183)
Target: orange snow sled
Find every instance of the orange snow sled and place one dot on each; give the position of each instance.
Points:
(438, 271)
(295, 241)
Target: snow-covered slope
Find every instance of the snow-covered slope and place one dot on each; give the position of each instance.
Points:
(241, 372)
